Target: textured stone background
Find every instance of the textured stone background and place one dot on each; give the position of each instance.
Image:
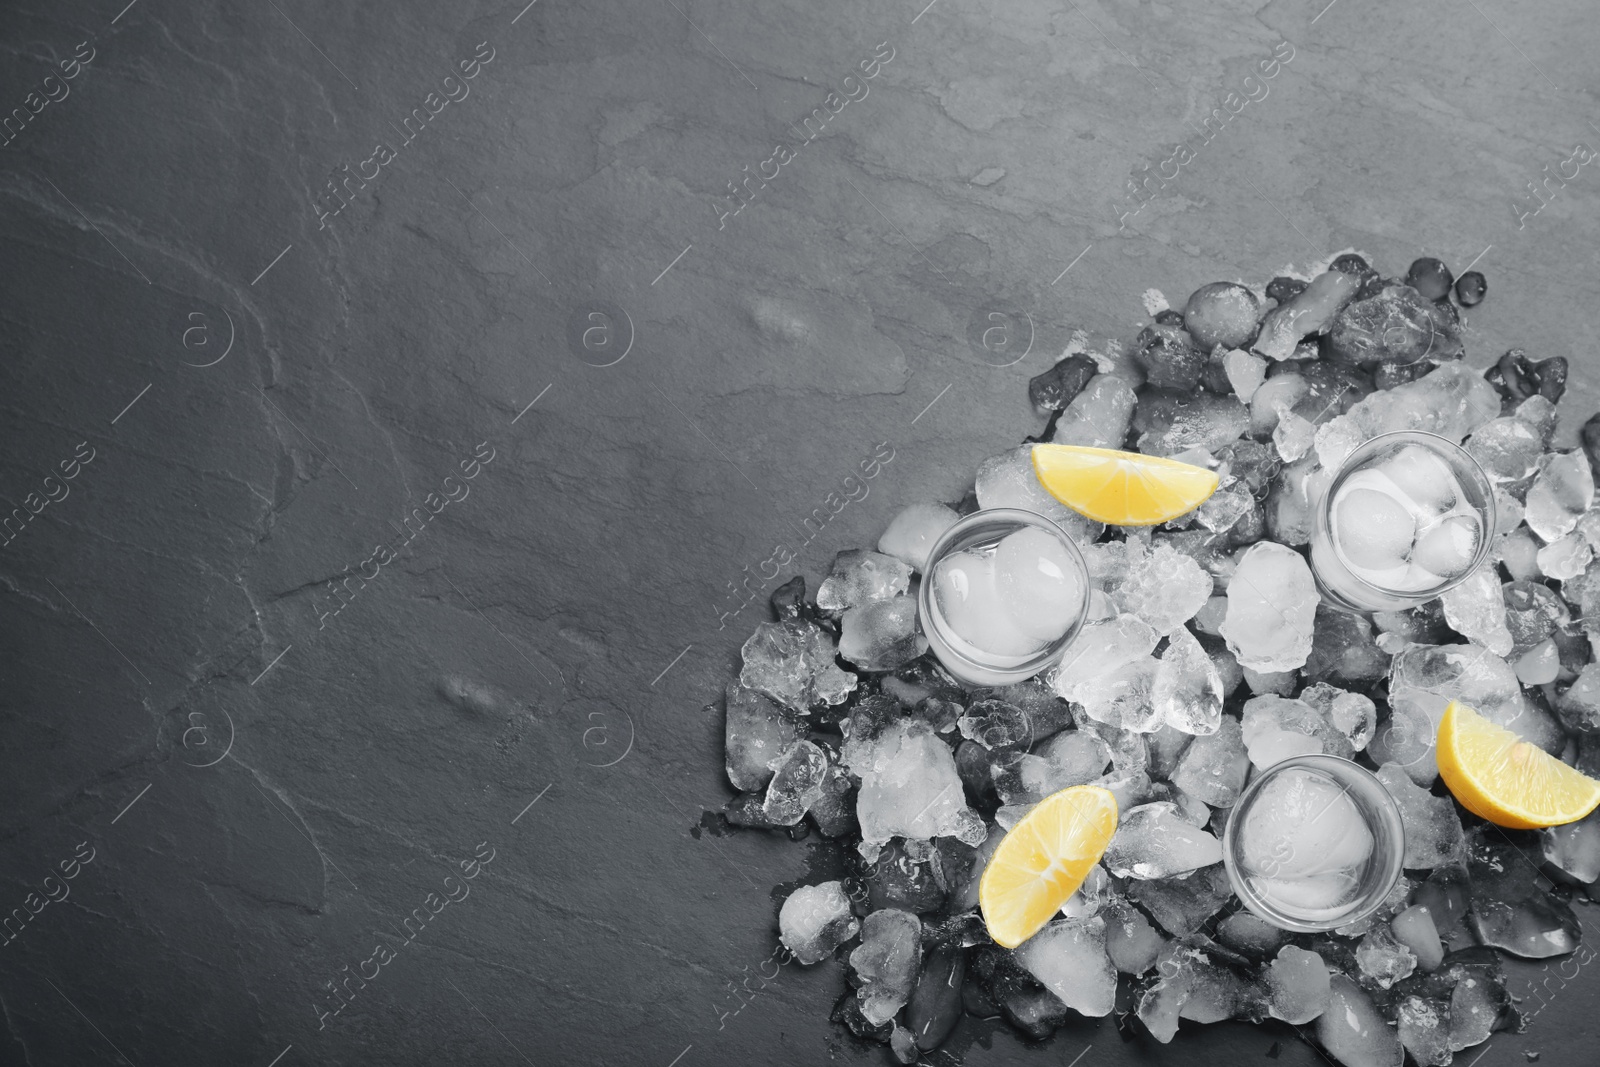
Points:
(564, 615)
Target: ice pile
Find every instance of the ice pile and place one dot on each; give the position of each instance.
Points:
(1204, 658)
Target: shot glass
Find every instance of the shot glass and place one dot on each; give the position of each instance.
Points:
(1004, 593)
(1315, 842)
(1407, 516)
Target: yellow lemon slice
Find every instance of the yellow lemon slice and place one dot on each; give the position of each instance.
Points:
(1043, 860)
(1500, 777)
(1121, 488)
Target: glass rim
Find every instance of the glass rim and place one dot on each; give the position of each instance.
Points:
(1018, 517)
(1334, 767)
(1427, 439)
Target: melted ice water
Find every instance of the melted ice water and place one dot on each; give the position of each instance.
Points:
(1306, 846)
(1405, 524)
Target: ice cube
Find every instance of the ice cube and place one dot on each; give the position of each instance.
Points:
(1297, 985)
(1344, 651)
(1539, 412)
(1193, 986)
(1128, 749)
(1414, 927)
(834, 811)
(1424, 678)
(1278, 394)
(1152, 841)
(1396, 326)
(1519, 551)
(1575, 847)
(903, 877)
(1164, 587)
(1022, 779)
(1098, 417)
(1447, 550)
(1540, 665)
(1045, 711)
(1288, 508)
(1165, 746)
(1101, 647)
(1090, 897)
(1433, 829)
(1424, 1030)
(1372, 529)
(1476, 609)
(1170, 421)
(1561, 492)
(1352, 714)
(859, 576)
(1076, 754)
(1383, 959)
(996, 724)
(1128, 788)
(1250, 935)
(1183, 904)
(1507, 449)
(913, 531)
(1422, 477)
(1272, 604)
(966, 595)
(1316, 897)
(792, 662)
(1008, 481)
(887, 962)
(1187, 690)
(1124, 697)
(1068, 957)
(1294, 435)
(1303, 828)
(1213, 767)
(1040, 583)
(1245, 372)
(1451, 401)
(1406, 740)
(1480, 1003)
(815, 920)
(1190, 810)
(1276, 729)
(1131, 942)
(1510, 909)
(757, 731)
(796, 783)
(1264, 683)
(902, 1044)
(881, 635)
(1312, 310)
(1565, 558)
(1225, 509)
(909, 787)
(1353, 1030)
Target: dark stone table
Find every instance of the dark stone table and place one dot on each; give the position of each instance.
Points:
(424, 391)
